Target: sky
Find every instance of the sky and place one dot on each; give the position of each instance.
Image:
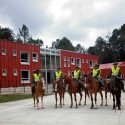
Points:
(81, 21)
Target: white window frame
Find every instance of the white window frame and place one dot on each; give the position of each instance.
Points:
(72, 60)
(4, 72)
(35, 59)
(64, 64)
(28, 58)
(15, 72)
(3, 51)
(25, 80)
(91, 65)
(87, 61)
(64, 58)
(68, 73)
(79, 62)
(68, 64)
(14, 53)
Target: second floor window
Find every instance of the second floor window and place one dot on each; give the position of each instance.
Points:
(24, 58)
(35, 57)
(3, 51)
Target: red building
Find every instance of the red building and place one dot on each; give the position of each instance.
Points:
(106, 68)
(71, 59)
(17, 63)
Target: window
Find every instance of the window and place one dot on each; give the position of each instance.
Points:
(4, 72)
(68, 64)
(91, 63)
(68, 73)
(35, 57)
(25, 76)
(64, 58)
(64, 64)
(82, 60)
(24, 58)
(3, 51)
(68, 59)
(86, 60)
(78, 62)
(73, 61)
(14, 53)
(15, 72)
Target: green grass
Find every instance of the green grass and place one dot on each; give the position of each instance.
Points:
(13, 97)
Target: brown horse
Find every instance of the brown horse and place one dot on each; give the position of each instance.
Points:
(73, 88)
(59, 89)
(115, 88)
(89, 81)
(39, 92)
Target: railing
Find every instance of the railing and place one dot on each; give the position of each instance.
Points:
(8, 86)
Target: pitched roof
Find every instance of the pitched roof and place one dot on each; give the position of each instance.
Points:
(109, 65)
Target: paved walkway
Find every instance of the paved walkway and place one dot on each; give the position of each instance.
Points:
(23, 113)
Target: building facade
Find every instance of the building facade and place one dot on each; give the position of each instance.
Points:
(17, 63)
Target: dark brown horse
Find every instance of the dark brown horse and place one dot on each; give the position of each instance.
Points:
(39, 92)
(59, 89)
(115, 87)
(73, 88)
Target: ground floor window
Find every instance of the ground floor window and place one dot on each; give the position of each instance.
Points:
(25, 76)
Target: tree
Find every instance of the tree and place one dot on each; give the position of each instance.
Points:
(80, 48)
(6, 33)
(64, 44)
(37, 42)
(24, 33)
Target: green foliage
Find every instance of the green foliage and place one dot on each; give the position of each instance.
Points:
(6, 33)
(64, 44)
(37, 42)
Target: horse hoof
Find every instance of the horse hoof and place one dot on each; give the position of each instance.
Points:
(106, 105)
(84, 103)
(55, 106)
(101, 105)
(79, 103)
(91, 107)
(119, 108)
(42, 107)
(70, 106)
(113, 108)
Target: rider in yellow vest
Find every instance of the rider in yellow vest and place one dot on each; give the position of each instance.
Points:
(96, 73)
(36, 77)
(115, 71)
(77, 77)
(58, 76)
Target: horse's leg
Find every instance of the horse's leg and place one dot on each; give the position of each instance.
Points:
(37, 102)
(60, 94)
(85, 98)
(75, 100)
(101, 98)
(56, 99)
(96, 101)
(118, 98)
(106, 98)
(71, 100)
(91, 101)
(80, 98)
(34, 100)
(42, 102)
(63, 97)
(113, 101)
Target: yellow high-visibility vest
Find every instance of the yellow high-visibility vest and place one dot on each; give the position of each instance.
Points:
(58, 74)
(115, 71)
(36, 77)
(95, 72)
(76, 74)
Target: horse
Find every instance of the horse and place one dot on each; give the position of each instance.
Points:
(115, 88)
(59, 89)
(73, 88)
(94, 89)
(39, 92)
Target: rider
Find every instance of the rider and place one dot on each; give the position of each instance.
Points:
(58, 76)
(77, 77)
(115, 71)
(96, 74)
(36, 77)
